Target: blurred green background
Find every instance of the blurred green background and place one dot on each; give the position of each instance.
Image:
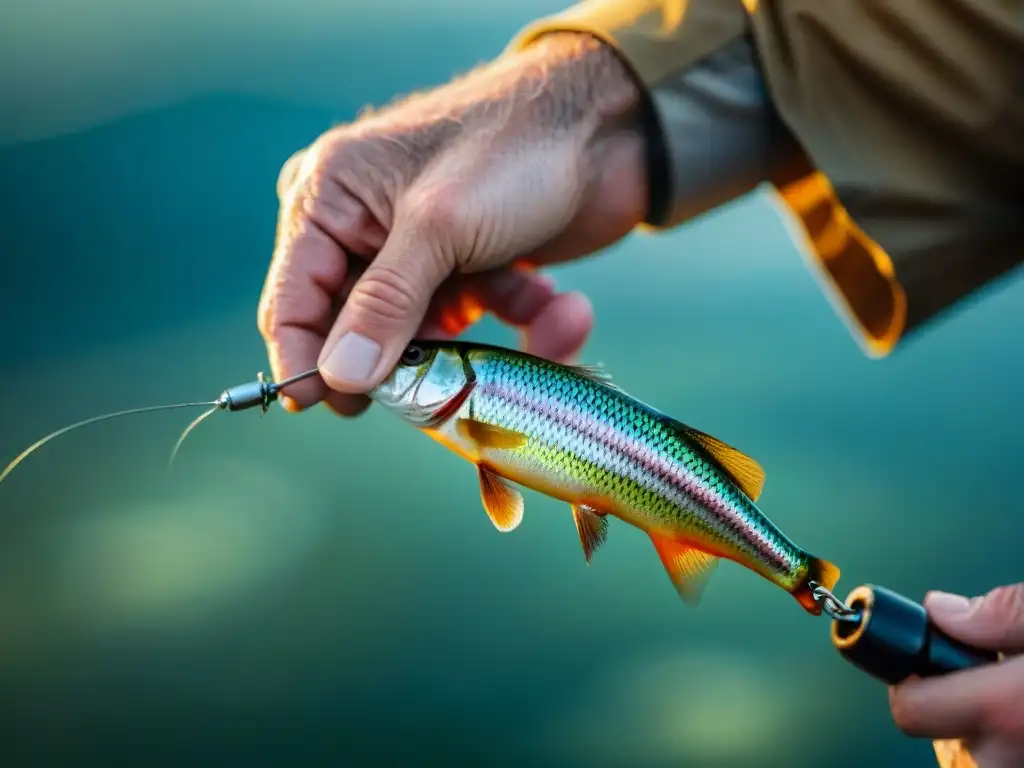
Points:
(306, 589)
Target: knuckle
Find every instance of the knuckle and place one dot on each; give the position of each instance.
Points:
(289, 172)
(386, 292)
(275, 292)
(266, 316)
(306, 172)
(437, 208)
(341, 185)
(314, 179)
(326, 148)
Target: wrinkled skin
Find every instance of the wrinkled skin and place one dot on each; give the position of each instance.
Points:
(418, 219)
(984, 706)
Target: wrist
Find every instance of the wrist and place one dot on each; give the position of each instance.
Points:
(573, 92)
(587, 95)
(622, 138)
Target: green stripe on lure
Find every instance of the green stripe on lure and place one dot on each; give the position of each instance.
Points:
(568, 432)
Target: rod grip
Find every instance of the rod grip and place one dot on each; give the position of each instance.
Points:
(894, 639)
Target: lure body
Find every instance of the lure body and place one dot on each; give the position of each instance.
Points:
(568, 432)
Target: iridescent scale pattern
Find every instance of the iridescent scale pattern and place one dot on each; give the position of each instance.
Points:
(596, 442)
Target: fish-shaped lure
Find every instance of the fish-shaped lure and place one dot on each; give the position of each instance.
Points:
(570, 433)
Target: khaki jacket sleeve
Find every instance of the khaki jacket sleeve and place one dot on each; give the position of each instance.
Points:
(901, 162)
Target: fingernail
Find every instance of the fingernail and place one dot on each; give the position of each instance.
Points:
(947, 604)
(352, 360)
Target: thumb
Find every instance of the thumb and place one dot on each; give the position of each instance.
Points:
(994, 621)
(385, 308)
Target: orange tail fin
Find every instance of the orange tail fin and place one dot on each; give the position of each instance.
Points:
(821, 572)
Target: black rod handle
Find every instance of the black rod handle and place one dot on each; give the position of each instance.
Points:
(894, 639)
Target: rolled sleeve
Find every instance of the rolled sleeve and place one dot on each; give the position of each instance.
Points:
(712, 118)
(882, 128)
(720, 133)
(657, 38)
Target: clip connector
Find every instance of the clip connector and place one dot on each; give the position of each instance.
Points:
(259, 393)
(835, 608)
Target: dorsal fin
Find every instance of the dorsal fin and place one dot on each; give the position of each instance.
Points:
(744, 471)
(594, 372)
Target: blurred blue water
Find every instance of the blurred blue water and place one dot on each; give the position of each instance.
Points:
(303, 588)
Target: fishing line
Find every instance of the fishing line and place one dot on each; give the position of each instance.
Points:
(195, 423)
(252, 394)
(95, 420)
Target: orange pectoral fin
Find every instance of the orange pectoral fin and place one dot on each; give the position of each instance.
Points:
(688, 567)
(489, 435)
(503, 504)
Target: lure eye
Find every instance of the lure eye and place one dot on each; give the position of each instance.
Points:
(413, 355)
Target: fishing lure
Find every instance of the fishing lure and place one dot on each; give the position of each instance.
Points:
(569, 432)
(572, 434)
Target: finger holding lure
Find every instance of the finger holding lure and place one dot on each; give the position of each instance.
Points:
(570, 433)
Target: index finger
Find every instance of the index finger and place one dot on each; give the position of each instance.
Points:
(296, 307)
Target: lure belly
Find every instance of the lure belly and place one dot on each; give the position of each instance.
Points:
(570, 433)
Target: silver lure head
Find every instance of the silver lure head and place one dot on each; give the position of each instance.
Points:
(429, 377)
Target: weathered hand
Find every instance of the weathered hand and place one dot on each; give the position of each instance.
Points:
(984, 706)
(419, 218)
